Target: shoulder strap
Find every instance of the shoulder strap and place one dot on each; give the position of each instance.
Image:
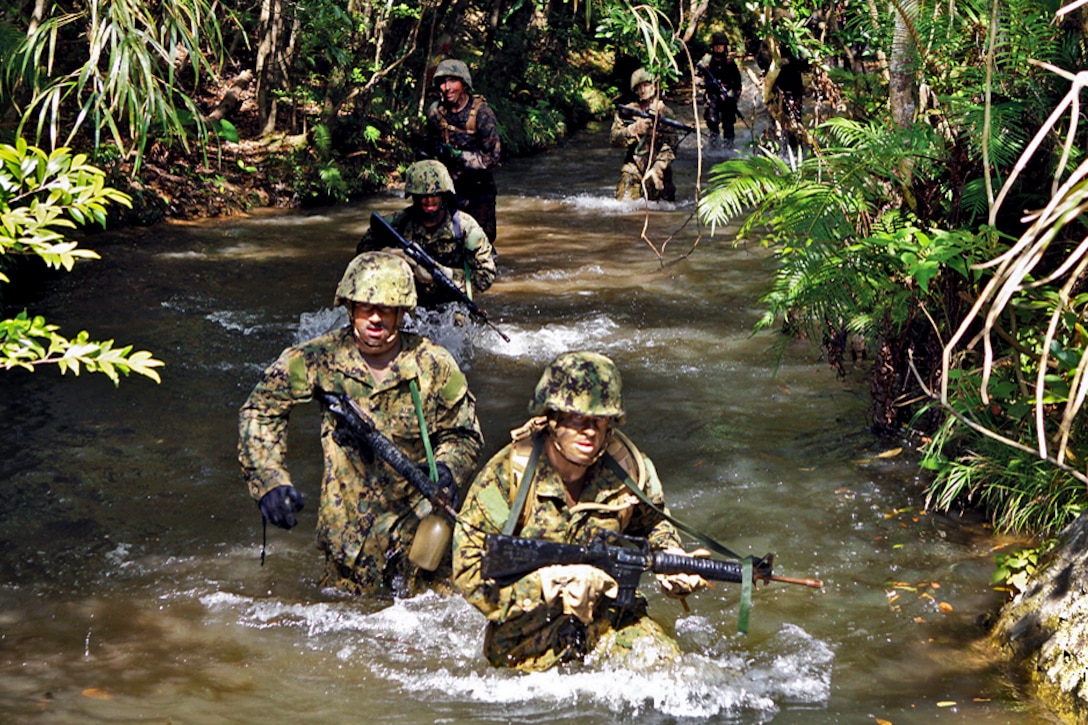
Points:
(523, 478)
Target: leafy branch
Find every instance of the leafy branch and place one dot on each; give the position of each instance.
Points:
(42, 195)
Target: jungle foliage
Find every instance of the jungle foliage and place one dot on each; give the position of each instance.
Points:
(43, 195)
(910, 231)
(896, 211)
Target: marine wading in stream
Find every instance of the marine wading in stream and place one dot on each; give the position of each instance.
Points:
(132, 567)
(934, 214)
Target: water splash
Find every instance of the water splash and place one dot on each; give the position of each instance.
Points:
(432, 643)
(610, 205)
(313, 324)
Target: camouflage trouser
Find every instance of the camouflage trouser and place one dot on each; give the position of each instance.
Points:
(541, 639)
(630, 186)
(400, 578)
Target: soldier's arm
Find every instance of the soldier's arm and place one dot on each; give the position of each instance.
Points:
(488, 149)
(455, 431)
(262, 424)
(484, 511)
(620, 136)
(481, 256)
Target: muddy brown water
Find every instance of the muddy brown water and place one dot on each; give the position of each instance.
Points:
(130, 584)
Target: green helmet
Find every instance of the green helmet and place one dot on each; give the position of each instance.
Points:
(580, 382)
(640, 76)
(377, 278)
(455, 68)
(426, 178)
(719, 39)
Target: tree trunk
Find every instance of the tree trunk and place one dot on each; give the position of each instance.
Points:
(269, 61)
(902, 88)
(232, 98)
(691, 22)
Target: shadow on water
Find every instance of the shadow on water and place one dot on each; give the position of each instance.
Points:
(129, 549)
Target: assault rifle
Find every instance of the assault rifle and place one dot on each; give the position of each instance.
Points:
(361, 431)
(722, 91)
(713, 81)
(418, 255)
(628, 113)
(508, 558)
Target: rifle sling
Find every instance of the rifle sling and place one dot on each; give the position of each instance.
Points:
(523, 487)
(413, 386)
(707, 541)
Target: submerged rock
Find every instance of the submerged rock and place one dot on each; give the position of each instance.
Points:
(1044, 629)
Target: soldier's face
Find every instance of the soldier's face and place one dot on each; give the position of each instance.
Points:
(645, 91)
(430, 206)
(580, 438)
(377, 328)
(452, 89)
(717, 49)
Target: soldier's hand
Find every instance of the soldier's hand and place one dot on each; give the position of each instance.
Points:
(639, 128)
(678, 586)
(446, 485)
(422, 275)
(580, 586)
(279, 505)
(655, 177)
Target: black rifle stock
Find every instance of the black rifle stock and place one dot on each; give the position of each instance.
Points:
(628, 113)
(362, 429)
(420, 257)
(508, 558)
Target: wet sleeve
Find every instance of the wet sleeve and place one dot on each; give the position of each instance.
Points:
(618, 136)
(484, 512)
(455, 433)
(734, 80)
(481, 257)
(263, 419)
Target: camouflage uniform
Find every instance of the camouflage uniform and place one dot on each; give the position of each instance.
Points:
(456, 241)
(474, 131)
(721, 111)
(637, 160)
(368, 513)
(523, 631)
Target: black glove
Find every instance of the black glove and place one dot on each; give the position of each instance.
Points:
(447, 487)
(279, 505)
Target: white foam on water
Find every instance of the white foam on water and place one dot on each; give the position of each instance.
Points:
(235, 321)
(313, 324)
(562, 275)
(611, 205)
(542, 344)
(433, 643)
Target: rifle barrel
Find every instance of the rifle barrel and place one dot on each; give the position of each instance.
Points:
(813, 583)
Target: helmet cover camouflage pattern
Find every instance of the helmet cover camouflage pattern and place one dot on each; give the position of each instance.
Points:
(377, 278)
(640, 76)
(454, 68)
(427, 178)
(580, 382)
